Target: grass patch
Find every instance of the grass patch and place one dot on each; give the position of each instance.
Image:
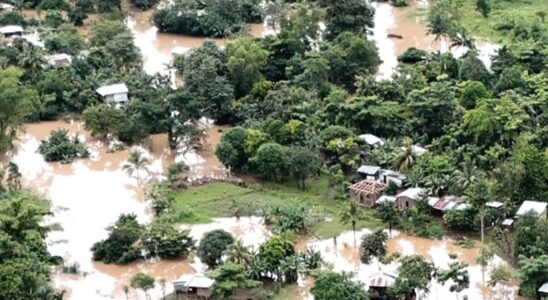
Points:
(502, 12)
(201, 204)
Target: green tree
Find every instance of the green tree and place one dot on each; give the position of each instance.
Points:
(347, 15)
(350, 55)
(245, 60)
(483, 7)
(531, 236)
(231, 150)
(103, 119)
(534, 272)
(351, 215)
(17, 102)
(206, 75)
(136, 162)
(212, 245)
(373, 245)
(120, 247)
(472, 92)
(162, 240)
(303, 163)
(330, 285)
(239, 254)
(388, 213)
(272, 253)
(414, 274)
(406, 158)
(472, 68)
(144, 282)
(271, 161)
(229, 277)
(457, 273)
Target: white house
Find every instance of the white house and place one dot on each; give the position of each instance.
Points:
(11, 30)
(196, 286)
(535, 206)
(371, 140)
(407, 198)
(114, 94)
(58, 60)
(6, 7)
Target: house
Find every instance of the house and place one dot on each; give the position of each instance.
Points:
(535, 206)
(369, 172)
(494, 204)
(193, 287)
(387, 176)
(508, 222)
(113, 94)
(11, 30)
(5, 7)
(366, 192)
(407, 198)
(371, 140)
(58, 60)
(446, 203)
(379, 283)
(418, 150)
(543, 291)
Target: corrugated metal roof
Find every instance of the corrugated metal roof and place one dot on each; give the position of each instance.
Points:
(371, 139)
(11, 29)
(411, 193)
(195, 281)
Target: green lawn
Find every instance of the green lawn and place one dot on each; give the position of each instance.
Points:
(502, 12)
(201, 204)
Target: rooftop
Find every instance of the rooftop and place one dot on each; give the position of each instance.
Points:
(494, 204)
(112, 89)
(371, 139)
(369, 170)
(195, 281)
(382, 279)
(538, 207)
(368, 186)
(543, 288)
(446, 203)
(11, 29)
(385, 198)
(412, 193)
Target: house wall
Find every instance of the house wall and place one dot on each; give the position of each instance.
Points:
(404, 203)
(364, 199)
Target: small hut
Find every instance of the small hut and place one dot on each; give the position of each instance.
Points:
(379, 283)
(408, 198)
(193, 287)
(366, 192)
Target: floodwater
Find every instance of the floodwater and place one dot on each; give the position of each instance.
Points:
(409, 23)
(344, 256)
(158, 48)
(88, 195)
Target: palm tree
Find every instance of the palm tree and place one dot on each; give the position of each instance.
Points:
(406, 158)
(352, 215)
(239, 254)
(466, 174)
(462, 38)
(31, 58)
(135, 163)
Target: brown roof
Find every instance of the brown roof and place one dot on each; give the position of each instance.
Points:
(368, 186)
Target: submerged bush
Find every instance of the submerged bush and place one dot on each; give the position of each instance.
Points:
(61, 147)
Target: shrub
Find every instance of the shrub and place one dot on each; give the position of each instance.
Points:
(144, 4)
(61, 147)
(412, 55)
(12, 18)
(212, 246)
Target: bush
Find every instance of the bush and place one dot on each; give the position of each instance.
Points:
(164, 241)
(218, 18)
(412, 55)
(144, 4)
(120, 246)
(53, 5)
(12, 18)
(60, 147)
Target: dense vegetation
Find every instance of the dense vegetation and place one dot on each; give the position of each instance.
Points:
(298, 101)
(61, 147)
(212, 18)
